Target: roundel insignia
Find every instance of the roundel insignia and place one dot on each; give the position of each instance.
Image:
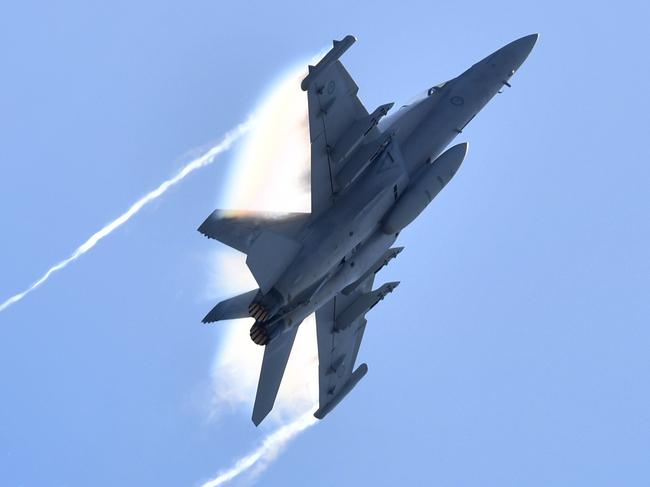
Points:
(330, 87)
(457, 100)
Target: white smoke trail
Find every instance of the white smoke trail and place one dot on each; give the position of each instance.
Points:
(192, 166)
(270, 448)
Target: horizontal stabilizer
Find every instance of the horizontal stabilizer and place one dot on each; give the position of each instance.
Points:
(239, 229)
(268, 257)
(276, 356)
(354, 379)
(231, 309)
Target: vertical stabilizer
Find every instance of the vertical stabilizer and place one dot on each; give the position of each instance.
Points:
(268, 257)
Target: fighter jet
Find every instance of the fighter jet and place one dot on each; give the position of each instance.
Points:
(370, 178)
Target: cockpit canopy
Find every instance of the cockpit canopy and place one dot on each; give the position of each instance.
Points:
(412, 103)
(437, 88)
(424, 94)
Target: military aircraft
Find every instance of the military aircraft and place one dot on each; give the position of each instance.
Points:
(370, 178)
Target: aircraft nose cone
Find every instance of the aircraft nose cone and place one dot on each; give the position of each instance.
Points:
(521, 47)
(514, 54)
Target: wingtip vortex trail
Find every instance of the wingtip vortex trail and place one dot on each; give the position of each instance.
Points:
(207, 158)
(264, 454)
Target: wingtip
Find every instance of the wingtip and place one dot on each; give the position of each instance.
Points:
(258, 418)
(210, 317)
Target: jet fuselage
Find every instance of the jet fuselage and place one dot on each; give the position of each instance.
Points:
(353, 224)
(371, 177)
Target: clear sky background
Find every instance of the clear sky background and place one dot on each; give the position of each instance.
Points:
(516, 350)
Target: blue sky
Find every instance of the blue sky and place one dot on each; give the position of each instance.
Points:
(515, 351)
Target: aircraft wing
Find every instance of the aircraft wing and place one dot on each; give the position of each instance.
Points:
(338, 349)
(339, 329)
(333, 110)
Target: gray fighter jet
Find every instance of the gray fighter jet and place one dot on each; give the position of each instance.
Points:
(369, 180)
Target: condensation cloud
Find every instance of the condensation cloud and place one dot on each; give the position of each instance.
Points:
(271, 173)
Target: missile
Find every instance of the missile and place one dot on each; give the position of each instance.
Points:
(349, 271)
(389, 255)
(353, 137)
(363, 156)
(362, 305)
(338, 48)
(424, 188)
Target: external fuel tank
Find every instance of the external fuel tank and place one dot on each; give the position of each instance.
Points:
(423, 189)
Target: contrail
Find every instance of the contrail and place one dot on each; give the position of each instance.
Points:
(192, 166)
(266, 452)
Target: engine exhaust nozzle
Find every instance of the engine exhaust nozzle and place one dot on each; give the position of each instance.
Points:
(259, 334)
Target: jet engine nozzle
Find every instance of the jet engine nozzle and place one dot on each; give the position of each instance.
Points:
(259, 334)
(257, 311)
(263, 333)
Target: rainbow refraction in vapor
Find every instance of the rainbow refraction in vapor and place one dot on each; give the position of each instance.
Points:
(271, 168)
(271, 173)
